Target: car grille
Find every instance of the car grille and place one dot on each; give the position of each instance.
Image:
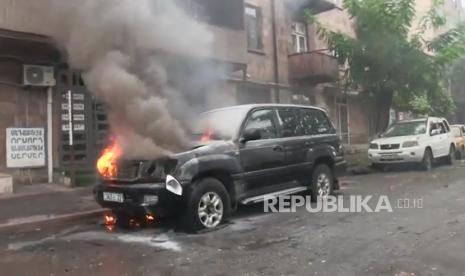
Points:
(131, 170)
(128, 170)
(390, 146)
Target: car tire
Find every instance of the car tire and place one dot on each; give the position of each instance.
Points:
(461, 153)
(428, 159)
(452, 157)
(208, 205)
(322, 182)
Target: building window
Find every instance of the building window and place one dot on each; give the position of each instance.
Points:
(299, 37)
(253, 22)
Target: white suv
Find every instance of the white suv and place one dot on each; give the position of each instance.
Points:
(417, 141)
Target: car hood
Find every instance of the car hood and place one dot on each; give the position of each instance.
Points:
(396, 140)
(205, 148)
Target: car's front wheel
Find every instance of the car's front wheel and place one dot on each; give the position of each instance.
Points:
(208, 205)
(322, 182)
(452, 157)
(427, 162)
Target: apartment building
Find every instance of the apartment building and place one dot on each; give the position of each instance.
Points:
(37, 97)
(285, 62)
(346, 106)
(265, 48)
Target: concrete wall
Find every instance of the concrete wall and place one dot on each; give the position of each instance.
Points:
(22, 106)
(452, 9)
(358, 120)
(18, 15)
(260, 63)
(335, 20)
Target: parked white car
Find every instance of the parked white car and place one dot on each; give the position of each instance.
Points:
(418, 141)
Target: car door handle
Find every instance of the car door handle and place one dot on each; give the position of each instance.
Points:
(278, 148)
(309, 143)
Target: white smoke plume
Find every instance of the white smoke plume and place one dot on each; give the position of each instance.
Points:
(126, 49)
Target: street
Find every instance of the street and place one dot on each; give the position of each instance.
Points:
(425, 240)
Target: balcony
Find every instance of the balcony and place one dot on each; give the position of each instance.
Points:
(299, 7)
(313, 67)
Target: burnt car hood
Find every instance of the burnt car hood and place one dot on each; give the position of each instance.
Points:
(205, 148)
(183, 164)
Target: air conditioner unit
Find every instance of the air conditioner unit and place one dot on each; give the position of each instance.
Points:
(36, 75)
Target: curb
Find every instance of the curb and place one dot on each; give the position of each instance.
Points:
(51, 221)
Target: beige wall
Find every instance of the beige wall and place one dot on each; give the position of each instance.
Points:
(20, 107)
(261, 64)
(452, 9)
(334, 20)
(18, 15)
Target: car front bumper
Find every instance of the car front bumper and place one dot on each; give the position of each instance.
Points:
(162, 202)
(403, 155)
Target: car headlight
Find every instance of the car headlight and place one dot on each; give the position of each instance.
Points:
(410, 144)
(374, 146)
(173, 185)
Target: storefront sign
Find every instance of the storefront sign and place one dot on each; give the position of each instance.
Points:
(25, 147)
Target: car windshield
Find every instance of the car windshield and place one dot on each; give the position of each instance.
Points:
(406, 129)
(219, 124)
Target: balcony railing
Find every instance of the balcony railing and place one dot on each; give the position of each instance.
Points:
(314, 67)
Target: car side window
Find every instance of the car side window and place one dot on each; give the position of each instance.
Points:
(263, 121)
(446, 125)
(315, 122)
(442, 127)
(432, 126)
(289, 121)
(463, 130)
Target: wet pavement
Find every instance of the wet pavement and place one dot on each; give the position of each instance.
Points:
(408, 241)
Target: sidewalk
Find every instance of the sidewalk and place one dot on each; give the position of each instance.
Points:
(357, 159)
(35, 205)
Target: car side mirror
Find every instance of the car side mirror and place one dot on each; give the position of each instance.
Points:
(251, 135)
(435, 132)
(379, 135)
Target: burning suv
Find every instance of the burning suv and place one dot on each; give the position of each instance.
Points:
(245, 155)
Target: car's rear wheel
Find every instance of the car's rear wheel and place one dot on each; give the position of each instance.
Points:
(427, 162)
(208, 205)
(322, 182)
(452, 157)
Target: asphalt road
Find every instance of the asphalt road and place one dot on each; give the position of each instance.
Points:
(408, 241)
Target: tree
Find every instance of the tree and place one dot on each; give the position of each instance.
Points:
(390, 63)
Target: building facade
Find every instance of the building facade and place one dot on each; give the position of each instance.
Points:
(25, 41)
(267, 50)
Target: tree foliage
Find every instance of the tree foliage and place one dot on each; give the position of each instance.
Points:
(392, 61)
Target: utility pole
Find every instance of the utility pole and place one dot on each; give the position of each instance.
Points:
(71, 140)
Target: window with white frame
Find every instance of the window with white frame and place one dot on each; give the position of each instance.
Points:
(299, 37)
(253, 23)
